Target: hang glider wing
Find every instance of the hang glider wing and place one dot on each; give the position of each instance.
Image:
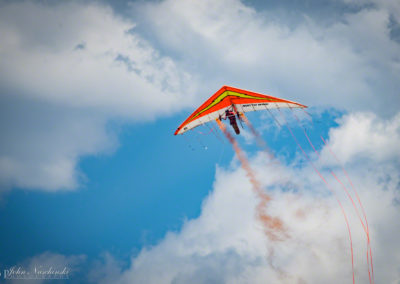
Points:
(226, 97)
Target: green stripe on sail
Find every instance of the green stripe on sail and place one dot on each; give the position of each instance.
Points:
(222, 97)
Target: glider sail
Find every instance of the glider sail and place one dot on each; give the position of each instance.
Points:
(228, 97)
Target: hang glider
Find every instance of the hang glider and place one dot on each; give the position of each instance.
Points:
(232, 99)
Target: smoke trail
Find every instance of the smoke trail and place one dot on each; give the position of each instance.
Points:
(273, 226)
(261, 143)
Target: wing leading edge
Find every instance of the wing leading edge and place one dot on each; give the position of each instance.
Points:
(224, 98)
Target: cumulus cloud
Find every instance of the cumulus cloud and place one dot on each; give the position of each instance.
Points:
(87, 62)
(66, 69)
(351, 63)
(363, 135)
(85, 55)
(226, 244)
(42, 143)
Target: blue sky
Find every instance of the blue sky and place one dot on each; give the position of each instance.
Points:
(92, 177)
(114, 208)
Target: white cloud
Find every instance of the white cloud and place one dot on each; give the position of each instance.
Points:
(352, 63)
(66, 70)
(86, 61)
(85, 55)
(364, 135)
(226, 243)
(42, 144)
